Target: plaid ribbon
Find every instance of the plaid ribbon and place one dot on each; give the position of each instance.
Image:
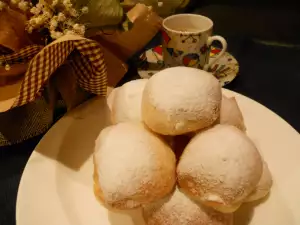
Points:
(84, 55)
(22, 56)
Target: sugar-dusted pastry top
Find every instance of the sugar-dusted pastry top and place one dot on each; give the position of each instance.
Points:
(133, 165)
(220, 167)
(127, 100)
(179, 100)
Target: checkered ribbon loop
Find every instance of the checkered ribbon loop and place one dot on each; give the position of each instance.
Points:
(22, 56)
(85, 57)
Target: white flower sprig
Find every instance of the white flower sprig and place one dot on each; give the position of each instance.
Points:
(21, 4)
(59, 17)
(24, 6)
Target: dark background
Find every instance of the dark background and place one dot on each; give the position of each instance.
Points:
(264, 37)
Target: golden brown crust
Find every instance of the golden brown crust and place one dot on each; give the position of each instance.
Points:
(97, 190)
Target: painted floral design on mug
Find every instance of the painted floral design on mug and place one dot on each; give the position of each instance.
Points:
(225, 69)
(191, 59)
(187, 40)
(184, 50)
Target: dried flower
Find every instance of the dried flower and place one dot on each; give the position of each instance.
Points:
(54, 22)
(56, 34)
(73, 12)
(55, 3)
(47, 14)
(58, 16)
(79, 29)
(69, 32)
(69, 22)
(61, 17)
(23, 5)
(35, 10)
(2, 5)
(29, 29)
(40, 5)
(85, 10)
(67, 4)
(32, 22)
(7, 67)
(40, 20)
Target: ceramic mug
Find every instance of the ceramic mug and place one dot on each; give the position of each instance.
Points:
(187, 40)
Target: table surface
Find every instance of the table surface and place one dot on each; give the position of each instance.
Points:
(268, 74)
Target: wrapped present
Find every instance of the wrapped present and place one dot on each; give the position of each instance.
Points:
(71, 66)
(36, 79)
(146, 24)
(83, 56)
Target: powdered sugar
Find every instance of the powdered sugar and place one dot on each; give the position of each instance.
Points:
(222, 164)
(127, 102)
(189, 89)
(180, 99)
(127, 161)
(178, 209)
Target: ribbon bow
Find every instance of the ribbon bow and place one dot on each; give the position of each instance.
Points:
(84, 58)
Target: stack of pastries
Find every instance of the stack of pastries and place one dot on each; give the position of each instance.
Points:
(178, 148)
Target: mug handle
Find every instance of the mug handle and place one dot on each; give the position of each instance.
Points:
(224, 48)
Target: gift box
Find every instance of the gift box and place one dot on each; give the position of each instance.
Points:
(37, 79)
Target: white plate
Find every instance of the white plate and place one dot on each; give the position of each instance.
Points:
(57, 187)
